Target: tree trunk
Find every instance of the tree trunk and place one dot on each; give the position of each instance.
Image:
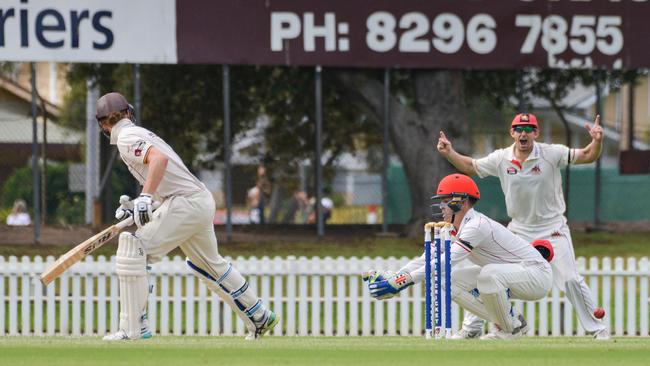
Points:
(438, 106)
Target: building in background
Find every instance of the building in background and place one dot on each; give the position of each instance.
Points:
(16, 117)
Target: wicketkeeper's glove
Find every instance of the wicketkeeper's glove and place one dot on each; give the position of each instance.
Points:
(385, 285)
(373, 275)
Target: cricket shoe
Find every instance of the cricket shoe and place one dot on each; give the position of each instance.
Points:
(520, 330)
(120, 335)
(602, 335)
(268, 322)
(467, 334)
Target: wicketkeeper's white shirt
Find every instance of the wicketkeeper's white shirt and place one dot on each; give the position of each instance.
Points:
(482, 241)
(133, 142)
(532, 189)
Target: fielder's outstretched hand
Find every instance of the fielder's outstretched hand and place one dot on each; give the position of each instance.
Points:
(444, 145)
(595, 131)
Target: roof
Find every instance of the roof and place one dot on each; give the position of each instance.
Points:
(17, 128)
(26, 95)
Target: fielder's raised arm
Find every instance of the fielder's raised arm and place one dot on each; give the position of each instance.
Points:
(591, 152)
(461, 162)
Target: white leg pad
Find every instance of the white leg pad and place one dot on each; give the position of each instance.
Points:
(131, 268)
(234, 290)
(472, 323)
(469, 300)
(501, 312)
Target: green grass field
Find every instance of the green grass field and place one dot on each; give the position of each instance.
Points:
(636, 244)
(160, 351)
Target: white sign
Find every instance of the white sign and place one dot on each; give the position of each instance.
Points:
(135, 31)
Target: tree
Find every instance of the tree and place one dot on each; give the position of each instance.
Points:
(431, 101)
(184, 105)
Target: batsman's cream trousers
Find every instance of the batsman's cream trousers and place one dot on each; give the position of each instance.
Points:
(185, 222)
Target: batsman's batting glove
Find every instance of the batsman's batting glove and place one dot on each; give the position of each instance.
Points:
(142, 209)
(388, 288)
(126, 208)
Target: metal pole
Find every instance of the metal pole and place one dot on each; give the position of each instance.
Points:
(227, 148)
(385, 162)
(92, 150)
(137, 106)
(630, 110)
(35, 175)
(599, 107)
(137, 94)
(317, 161)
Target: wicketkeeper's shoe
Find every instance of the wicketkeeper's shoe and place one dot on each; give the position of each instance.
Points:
(466, 334)
(602, 335)
(519, 330)
(268, 322)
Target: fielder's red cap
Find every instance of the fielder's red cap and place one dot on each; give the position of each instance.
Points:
(111, 102)
(525, 119)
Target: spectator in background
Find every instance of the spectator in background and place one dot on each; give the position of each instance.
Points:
(263, 185)
(326, 204)
(299, 204)
(253, 203)
(19, 215)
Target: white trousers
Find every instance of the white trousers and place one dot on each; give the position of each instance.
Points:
(565, 272)
(519, 281)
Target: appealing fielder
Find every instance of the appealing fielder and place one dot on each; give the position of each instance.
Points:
(503, 265)
(530, 178)
(185, 220)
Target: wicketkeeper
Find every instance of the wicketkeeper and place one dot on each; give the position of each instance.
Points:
(184, 219)
(503, 266)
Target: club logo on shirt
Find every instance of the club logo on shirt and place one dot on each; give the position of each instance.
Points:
(137, 147)
(536, 169)
(511, 171)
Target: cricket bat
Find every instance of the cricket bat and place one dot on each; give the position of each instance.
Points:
(82, 250)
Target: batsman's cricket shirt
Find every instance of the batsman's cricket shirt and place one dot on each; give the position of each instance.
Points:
(133, 142)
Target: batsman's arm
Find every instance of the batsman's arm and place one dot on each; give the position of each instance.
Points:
(157, 162)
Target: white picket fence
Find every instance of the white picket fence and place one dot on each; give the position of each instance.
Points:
(314, 296)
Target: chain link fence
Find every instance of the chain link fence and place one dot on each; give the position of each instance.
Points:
(58, 157)
(352, 192)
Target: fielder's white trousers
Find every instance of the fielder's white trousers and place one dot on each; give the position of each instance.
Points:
(565, 270)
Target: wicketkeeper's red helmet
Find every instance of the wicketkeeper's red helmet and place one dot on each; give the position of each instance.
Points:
(457, 185)
(544, 247)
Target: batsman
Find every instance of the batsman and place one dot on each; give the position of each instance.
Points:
(502, 265)
(184, 219)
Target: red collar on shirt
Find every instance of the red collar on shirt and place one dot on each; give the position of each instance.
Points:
(517, 163)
